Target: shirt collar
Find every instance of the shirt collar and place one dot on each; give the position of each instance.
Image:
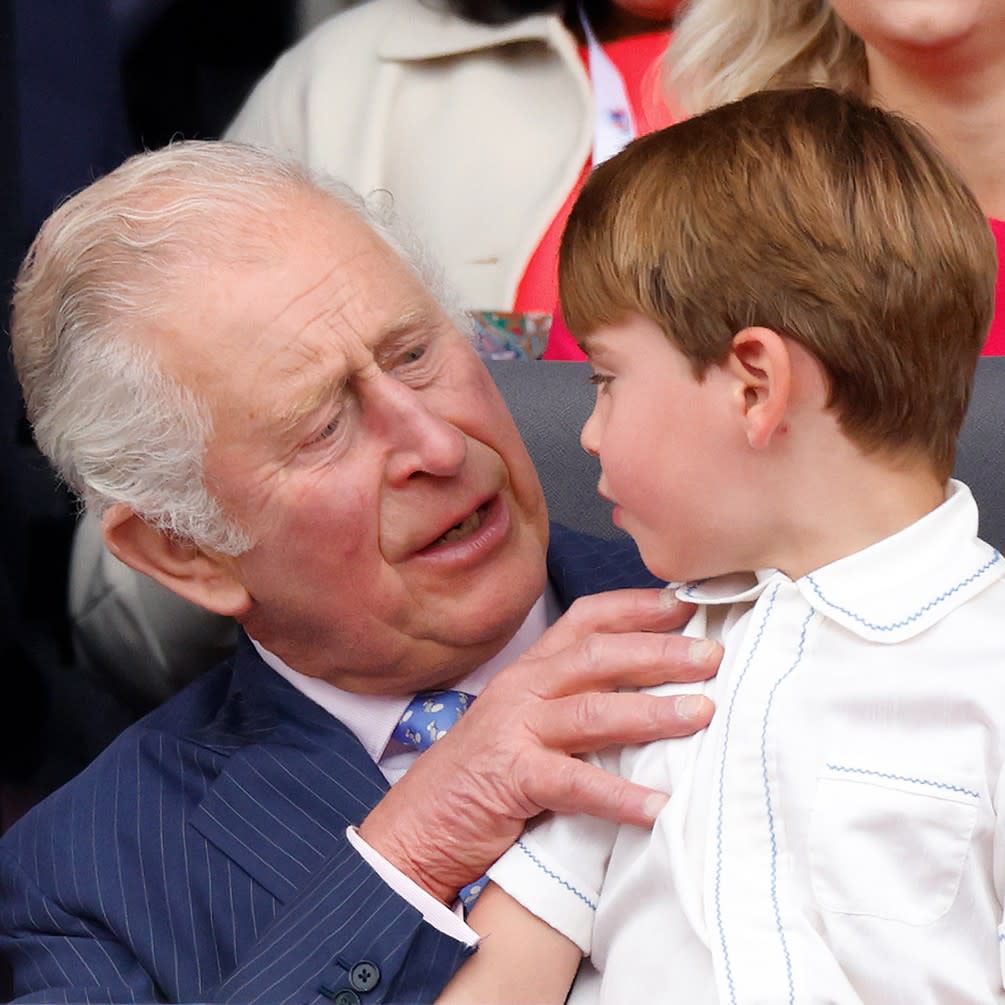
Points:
(372, 717)
(418, 31)
(893, 589)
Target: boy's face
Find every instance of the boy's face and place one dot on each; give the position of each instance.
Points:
(668, 447)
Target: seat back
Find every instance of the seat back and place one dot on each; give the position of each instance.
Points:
(980, 459)
(551, 401)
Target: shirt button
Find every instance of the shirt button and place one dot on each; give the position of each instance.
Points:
(364, 976)
(346, 997)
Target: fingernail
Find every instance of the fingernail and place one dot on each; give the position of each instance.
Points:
(654, 803)
(668, 595)
(701, 650)
(690, 706)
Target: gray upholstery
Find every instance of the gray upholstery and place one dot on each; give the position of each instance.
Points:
(980, 460)
(551, 401)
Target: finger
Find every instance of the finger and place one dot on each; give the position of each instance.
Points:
(615, 611)
(573, 786)
(584, 723)
(606, 661)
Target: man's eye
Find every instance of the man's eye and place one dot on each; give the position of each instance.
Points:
(413, 354)
(331, 427)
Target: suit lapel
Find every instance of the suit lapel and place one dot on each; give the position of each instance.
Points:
(295, 778)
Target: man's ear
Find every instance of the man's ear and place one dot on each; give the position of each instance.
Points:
(761, 366)
(206, 578)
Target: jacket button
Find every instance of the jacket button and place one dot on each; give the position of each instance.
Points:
(345, 997)
(364, 976)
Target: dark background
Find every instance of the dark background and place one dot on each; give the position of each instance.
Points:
(84, 83)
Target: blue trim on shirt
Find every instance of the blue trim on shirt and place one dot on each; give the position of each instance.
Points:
(924, 609)
(722, 767)
(905, 778)
(554, 875)
(767, 801)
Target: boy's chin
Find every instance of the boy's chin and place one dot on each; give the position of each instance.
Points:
(672, 569)
(672, 572)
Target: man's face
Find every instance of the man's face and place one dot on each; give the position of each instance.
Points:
(398, 524)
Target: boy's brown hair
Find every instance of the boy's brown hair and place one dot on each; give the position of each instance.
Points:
(829, 221)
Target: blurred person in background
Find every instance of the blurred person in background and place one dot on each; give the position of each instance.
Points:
(83, 85)
(939, 64)
(480, 118)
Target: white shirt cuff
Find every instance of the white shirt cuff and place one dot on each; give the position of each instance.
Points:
(434, 912)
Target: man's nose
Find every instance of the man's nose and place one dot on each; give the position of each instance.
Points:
(418, 439)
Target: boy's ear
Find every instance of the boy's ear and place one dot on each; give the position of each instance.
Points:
(761, 366)
(206, 578)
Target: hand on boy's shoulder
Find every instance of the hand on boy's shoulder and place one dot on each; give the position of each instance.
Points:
(512, 755)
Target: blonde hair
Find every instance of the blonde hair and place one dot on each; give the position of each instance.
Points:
(722, 50)
(815, 215)
(115, 258)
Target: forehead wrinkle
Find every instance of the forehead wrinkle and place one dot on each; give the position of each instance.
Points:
(333, 388)
(303, 293)
(301, 356)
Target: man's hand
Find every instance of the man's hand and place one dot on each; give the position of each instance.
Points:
(466, 799)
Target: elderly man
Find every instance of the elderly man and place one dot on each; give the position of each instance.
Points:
(248, 380)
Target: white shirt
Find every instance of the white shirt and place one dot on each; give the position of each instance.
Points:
(835, 835)
(372, 718)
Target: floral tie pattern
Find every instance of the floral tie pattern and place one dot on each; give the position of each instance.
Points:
(428, 716)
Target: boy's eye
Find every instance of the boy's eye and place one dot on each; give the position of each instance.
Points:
(600, 380)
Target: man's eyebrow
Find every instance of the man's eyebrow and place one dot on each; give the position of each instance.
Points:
(319, 395)
(329, 391)
(406, 325)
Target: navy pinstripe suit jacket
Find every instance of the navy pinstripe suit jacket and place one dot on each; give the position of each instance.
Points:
(202, 856)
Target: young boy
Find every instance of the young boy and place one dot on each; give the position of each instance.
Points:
(784, 301)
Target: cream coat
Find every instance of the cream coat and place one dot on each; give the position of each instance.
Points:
(479, 133)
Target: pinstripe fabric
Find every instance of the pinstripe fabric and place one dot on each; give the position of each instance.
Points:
(202, 857)
(579, 564)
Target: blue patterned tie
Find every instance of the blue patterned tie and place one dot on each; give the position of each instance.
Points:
(428, 716)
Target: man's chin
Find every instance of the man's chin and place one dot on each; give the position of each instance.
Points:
(496, 607)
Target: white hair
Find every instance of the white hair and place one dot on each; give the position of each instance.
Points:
(113, 259)
(723, 50)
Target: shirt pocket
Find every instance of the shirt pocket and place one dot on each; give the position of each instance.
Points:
(888, 845)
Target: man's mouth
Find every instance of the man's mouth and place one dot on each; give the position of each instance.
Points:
(466, 527)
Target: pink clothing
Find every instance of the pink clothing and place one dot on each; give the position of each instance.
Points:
(995, 345)
(637, 58)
